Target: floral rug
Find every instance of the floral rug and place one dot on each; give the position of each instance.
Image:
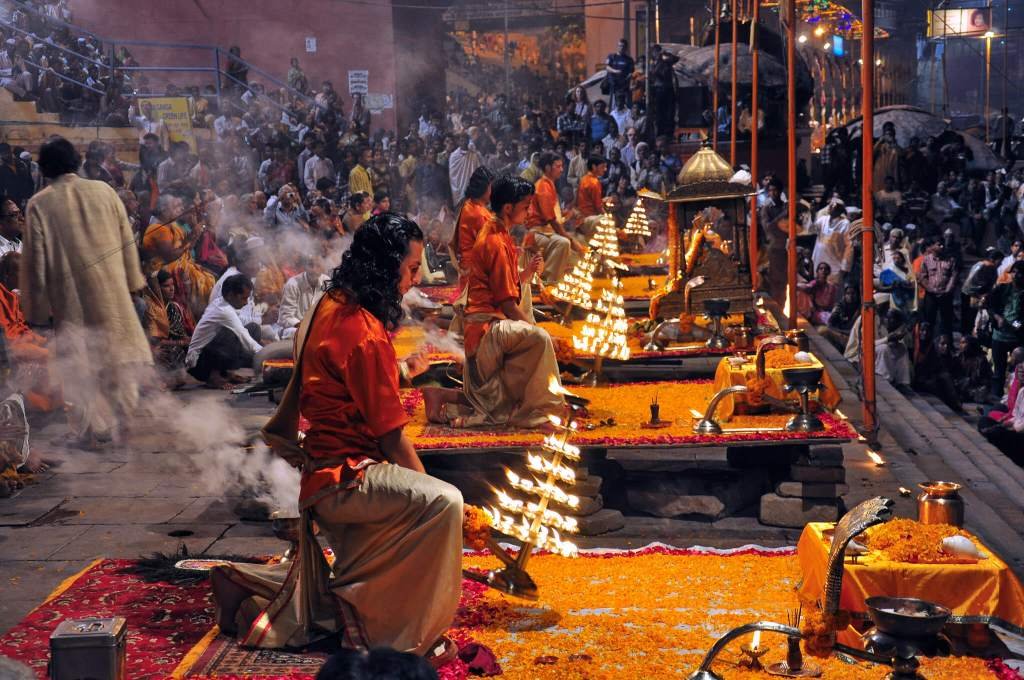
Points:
(609, 614)
(618, 414)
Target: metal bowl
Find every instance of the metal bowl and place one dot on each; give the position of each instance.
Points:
(803, 376)
(926, 620)
(716, 307)
(286, 528)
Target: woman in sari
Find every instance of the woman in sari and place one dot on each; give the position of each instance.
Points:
(170, 245)
(396, 532)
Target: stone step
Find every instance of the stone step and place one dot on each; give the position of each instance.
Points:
(588, 505)
(972, 448)
(779, 511)
(811, 490)
(601, 522)
(591, 486)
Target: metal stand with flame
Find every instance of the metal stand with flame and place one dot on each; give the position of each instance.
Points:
(537, 526)
(604, 337)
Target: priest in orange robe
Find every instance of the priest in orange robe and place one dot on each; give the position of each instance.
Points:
(546, 223)
(510, 361)
(473, 215)
(396, 532)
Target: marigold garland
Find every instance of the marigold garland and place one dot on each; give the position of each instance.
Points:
(476, 526)
(907, 540)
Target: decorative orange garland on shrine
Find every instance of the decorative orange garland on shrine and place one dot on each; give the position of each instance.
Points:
(907, 540)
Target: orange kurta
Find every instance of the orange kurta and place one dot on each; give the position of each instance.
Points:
(349, 394)
(589, 198)
(543, 204)
(493, 279)
(185, 270)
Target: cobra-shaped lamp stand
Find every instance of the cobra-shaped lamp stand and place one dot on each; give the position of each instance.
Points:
(708, 424)
(704, 671)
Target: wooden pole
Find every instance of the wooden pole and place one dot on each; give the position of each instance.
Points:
(791, 159)
(714, 96)
(988, 82)
(868, 235)
(754, 177)
(732, 143)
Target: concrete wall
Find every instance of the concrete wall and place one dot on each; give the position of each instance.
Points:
(349, 37)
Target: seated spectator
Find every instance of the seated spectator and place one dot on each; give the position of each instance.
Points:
(28, 352)
(892, 358)
(12, 222)
(974, 372)
(1003, 425)
(1005, 305)
(935, 372)
(298, 295)
(896, 286)
(168, 326)
(816, 298)
(843, 316)
(221, 344)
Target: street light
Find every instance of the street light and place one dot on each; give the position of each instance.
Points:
(802, 39)
(819, 31)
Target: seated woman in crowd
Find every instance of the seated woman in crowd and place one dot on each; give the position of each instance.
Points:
(936, 372)
(170, 244)
(396, 532)
(510, 361)
(29, 352)
(974, 372)
(1003, 425)
(844, 314)
(816, 298)
(168, 325)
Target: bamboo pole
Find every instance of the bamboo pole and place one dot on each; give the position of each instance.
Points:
(868, 235)
(791, 159)
(732, 143)
(718, 40)
(754, 83)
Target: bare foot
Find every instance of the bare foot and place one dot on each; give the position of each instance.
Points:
(433, 401)
(235, 379)
(35, 464)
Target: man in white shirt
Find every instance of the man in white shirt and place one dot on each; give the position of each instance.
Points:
(12, 222)
(317, 167)
(221, 344)
(298, 295)
(247, 262)
(833, 245)
(172, 172)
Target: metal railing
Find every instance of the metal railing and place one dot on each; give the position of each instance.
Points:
(110, 46)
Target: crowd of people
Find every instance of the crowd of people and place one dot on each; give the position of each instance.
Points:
(948, 266)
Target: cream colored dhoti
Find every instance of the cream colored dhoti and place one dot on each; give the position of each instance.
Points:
(396, 581)
(555, 249)
(508, 380)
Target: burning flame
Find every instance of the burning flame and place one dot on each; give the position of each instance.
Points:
(786, 308)
(555, 387)
(756, 642)
(875, 458)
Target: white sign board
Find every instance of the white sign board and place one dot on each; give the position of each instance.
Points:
(311, 45)
(358, 82)
(376, 102)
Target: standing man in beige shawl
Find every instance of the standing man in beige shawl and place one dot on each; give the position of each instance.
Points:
(79, 266)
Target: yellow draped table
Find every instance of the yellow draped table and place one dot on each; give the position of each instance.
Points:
(728, 375)
(984, 592)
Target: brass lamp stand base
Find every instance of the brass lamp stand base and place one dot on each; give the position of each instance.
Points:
(511, 579)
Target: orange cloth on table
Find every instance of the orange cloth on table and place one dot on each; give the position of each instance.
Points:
(349, 394)
(200, 280)
(543, 204)
(726, 375)
(987, 588)
(493, 279)
(589, 196)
